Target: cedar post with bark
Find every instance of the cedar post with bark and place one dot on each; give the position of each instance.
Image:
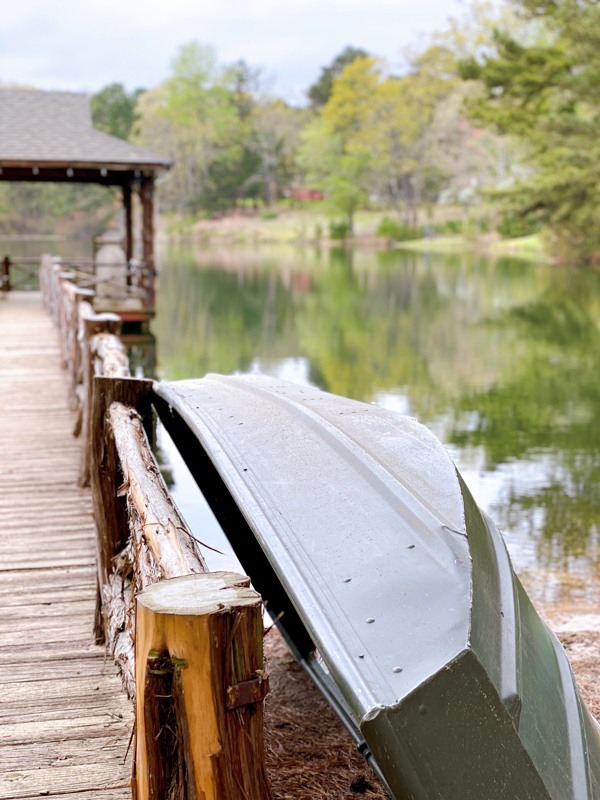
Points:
(90, 326)
(201, 682)
(159, 545)
(109, 508)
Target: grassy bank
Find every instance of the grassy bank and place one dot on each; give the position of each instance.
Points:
(524, 247)
(312, 225)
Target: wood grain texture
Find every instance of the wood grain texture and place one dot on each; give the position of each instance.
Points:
(196, 637)
(92, 325)
(110, 510)
(158, 544)
(64, 719)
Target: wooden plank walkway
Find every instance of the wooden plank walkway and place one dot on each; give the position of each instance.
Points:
(64, 719)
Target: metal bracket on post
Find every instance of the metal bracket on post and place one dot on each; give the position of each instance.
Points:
(247, 693)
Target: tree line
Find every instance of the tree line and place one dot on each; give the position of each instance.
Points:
(365, 136)
(501, 108)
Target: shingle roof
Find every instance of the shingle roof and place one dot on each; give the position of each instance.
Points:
(56, 128)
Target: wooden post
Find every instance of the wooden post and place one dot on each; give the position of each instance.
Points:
(109, 512)
(147, 194)
(63, 298)
(128, 227)
(5, 287)
(73, 296)
(148, 221)
(55, 270)
(90, 325)
(201, 681)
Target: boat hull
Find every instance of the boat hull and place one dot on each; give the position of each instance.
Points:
(393, 589)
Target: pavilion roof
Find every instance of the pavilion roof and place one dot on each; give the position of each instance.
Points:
(54, 129)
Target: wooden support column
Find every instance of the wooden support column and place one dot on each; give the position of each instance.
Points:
(127, 198)
(127, 205)
(73, 296)
(147, 196)
(201, 681)
(46, 281)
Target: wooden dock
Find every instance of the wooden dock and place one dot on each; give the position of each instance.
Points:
(65, 721)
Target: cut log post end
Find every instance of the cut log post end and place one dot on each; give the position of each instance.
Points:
(217, 592)
(200, 681)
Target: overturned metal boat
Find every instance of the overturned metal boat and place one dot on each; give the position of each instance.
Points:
(396, 592)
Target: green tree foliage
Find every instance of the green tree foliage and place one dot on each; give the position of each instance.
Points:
(74, 210)
(273, 139)
(543, 85)
(226, 141)
(333, 154)
(371, 137)
(113, 110)
(320, 91)
(401, 130)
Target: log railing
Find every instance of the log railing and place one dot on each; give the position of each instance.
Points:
(127, 285)
(18, 273)
(188, 643)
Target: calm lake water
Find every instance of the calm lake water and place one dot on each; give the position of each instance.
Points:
(500, 358)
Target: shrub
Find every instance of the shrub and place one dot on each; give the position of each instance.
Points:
(453, 227)
(513, 227)
(338, 229)
(268, 213)
(397, 231)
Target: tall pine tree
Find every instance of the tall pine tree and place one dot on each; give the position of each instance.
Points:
(542, 84)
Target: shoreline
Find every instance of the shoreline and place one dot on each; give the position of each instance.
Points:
(526, 248)
(309, 228)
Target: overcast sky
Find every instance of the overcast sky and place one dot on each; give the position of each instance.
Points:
(82, 45)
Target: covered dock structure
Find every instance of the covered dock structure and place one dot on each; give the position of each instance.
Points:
(48, 136)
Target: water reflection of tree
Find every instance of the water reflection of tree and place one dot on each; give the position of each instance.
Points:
(544, 408)
(507, 352)
(211, 320)
(357, 328)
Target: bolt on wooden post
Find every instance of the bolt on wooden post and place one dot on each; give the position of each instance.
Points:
(200, 681)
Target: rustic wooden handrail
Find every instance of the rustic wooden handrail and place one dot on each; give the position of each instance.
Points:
(152, 514)
(198, 672)
(142, 538)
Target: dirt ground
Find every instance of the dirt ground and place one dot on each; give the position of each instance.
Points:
(583, 649)
(310, 756)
